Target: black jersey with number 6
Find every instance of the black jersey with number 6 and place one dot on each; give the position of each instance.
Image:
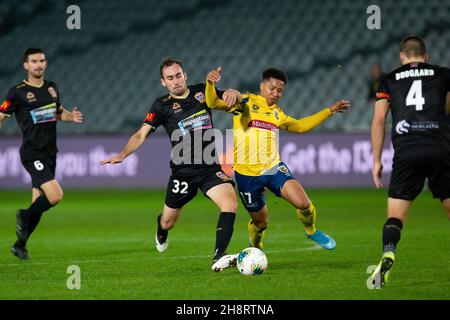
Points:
(417, 94)
(36, 110)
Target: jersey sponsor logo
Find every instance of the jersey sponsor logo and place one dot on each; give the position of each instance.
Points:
(52, 92)
(424, 125)
(262, 125)
(31, 97)
(223, 176)
(199, 120)
(402, 127)
(413, 73)
(44, 114)
(149, 117)
(200, 97)
(5, 105)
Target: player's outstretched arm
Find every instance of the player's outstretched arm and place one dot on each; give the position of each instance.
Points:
(133, 144)
(231, 98)
(74, 116)
(309, 123)
(378, 132)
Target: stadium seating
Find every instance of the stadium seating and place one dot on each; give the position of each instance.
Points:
(109, 68)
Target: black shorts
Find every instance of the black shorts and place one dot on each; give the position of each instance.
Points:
(41, 170)
(182, 188)
(412, 165)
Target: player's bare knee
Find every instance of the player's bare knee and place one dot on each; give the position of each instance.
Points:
(303, 203)
(446, 205)
(261, 224)
(55, 199)
(229, 206)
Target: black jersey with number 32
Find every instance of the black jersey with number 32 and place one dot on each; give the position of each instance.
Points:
(417, 95)
(36, 110)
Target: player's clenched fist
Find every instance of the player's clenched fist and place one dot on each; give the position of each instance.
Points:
(214, 75)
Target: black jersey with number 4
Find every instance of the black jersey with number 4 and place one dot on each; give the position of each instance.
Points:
(186, 121)
(417, 95)
(36, 110)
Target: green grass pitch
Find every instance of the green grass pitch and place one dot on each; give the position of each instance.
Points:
(110, 236)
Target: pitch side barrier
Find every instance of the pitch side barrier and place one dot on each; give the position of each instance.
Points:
(316, 159)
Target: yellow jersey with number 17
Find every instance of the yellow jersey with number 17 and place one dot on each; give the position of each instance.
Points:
(256, 126)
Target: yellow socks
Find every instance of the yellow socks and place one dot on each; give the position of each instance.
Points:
(308, 218)
(256, 235)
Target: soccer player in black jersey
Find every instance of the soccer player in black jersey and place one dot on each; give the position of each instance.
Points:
(186, 119)
(415, 94)
(36, 105)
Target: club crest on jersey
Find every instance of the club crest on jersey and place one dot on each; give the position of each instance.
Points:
(223, 176)
(149, 117)
(31, 97)
(255, 108)
(276, 114)
(52, 91)
(200, 97)
(5, 105)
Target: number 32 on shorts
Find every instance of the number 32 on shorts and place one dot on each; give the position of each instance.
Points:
(180, 187)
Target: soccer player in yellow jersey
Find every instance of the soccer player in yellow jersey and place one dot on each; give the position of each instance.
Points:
(257, 163)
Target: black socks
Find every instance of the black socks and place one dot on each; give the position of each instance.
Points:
(33, 214)
(224, 232)
(391, 234)
(161, 233)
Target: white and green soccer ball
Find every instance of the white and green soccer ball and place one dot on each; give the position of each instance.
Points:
(251, 261)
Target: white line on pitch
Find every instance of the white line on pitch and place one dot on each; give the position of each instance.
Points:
(315, 247)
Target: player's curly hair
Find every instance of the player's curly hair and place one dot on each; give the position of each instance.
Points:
(274, 73)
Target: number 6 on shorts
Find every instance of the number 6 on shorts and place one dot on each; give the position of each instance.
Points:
(38, 165)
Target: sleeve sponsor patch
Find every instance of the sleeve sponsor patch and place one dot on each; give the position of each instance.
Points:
(149, 117)
(5, 105)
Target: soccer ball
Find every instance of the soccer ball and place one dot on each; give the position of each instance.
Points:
(251, 261)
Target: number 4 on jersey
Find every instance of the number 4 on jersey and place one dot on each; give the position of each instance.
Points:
(414, 97)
